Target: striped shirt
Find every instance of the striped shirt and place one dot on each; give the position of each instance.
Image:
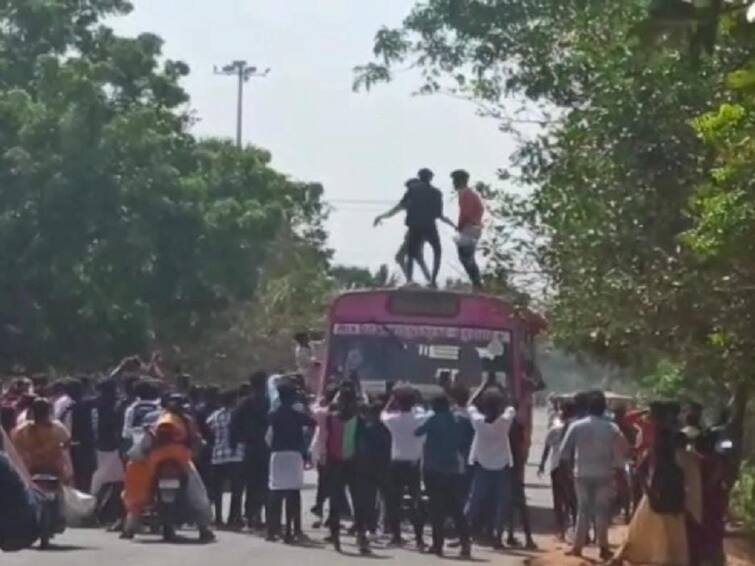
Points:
(219, 424)
(341, 442)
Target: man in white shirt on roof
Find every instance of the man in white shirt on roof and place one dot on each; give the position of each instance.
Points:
(402, 417)
(491, 418)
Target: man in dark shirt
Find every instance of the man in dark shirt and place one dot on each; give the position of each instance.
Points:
(423, 204)
(249, 423)
(83, 436)
(20, 511)
(286, 464)
(443, 471)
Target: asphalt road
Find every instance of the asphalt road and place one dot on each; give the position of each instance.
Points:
(89, 547)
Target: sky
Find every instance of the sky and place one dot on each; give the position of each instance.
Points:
(361, 146)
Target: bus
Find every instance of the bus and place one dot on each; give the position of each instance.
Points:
(430, 339)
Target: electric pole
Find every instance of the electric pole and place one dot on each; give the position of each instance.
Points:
(244, 73)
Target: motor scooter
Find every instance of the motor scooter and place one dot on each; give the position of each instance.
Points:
(170, 498)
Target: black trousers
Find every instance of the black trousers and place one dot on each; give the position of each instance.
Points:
(292, 499)
(84, 460)
(256, 475)
(373, 486)
(230, 474)
(446, 501)
(416, 238)
(343, 476)
(467, 259)
(405, 479)
(519, 503)
(322, 486)
(326, 491)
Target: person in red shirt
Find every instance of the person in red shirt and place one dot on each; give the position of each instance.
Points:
(471, 211)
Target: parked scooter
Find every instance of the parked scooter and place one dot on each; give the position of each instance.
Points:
(170, 498)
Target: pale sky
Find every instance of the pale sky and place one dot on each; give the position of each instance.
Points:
(360, 146)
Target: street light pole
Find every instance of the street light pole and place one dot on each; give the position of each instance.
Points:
(243, 73)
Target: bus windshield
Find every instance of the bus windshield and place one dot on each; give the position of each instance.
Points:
(423, 355)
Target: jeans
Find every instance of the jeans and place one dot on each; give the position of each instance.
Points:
(197, 499)
(230, 472)
(593, 500)
(445, 501)
(490, 486)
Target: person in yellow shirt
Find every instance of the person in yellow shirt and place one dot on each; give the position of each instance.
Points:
(42, 443)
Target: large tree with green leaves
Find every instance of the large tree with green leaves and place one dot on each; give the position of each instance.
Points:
(612, 161)
(118, 228)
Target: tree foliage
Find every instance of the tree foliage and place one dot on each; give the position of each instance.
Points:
(647, 257)
(118, 228)
(350, 277)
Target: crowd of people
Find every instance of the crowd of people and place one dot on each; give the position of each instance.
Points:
(373, 455)
(454, 462)
(662, 466)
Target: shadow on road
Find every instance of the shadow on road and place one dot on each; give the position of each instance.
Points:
(65, 548)
(178, 541)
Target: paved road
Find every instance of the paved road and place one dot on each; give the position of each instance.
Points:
(97, 548)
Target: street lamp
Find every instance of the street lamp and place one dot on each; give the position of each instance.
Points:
(244, 73)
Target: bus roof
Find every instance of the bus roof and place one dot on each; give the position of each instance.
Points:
(429, 306)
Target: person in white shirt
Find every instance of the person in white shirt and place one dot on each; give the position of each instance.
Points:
(144, 410)
(491, 457)
(402, 417)
(596, 446)
(305, 362)
(564, 500)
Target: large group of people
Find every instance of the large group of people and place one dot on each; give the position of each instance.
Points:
(662, 466)
(383, 462)
(454, 462)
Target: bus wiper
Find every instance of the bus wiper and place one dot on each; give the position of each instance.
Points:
(391, 333)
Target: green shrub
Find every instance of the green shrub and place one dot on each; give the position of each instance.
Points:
(743, 497)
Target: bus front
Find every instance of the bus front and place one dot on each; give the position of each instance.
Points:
(425, 338)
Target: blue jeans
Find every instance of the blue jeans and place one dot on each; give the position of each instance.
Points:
(490, 487)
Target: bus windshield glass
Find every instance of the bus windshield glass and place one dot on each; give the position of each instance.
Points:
(423, 355)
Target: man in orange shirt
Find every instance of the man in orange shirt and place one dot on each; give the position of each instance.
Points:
(471, 210)
(43, 443)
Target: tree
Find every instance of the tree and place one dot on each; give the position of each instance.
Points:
(119, 229)
(612, 157)
(350, 277)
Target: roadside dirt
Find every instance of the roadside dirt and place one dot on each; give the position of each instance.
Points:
(740, 551)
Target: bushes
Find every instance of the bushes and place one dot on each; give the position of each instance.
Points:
(743, 497)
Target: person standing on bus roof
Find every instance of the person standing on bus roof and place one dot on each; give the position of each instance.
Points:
(423, 204)
(471, 210)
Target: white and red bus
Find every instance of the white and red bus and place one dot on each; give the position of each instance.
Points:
(424, 336)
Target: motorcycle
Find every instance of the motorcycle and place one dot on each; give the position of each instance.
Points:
(52, 520)
(170, 498)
